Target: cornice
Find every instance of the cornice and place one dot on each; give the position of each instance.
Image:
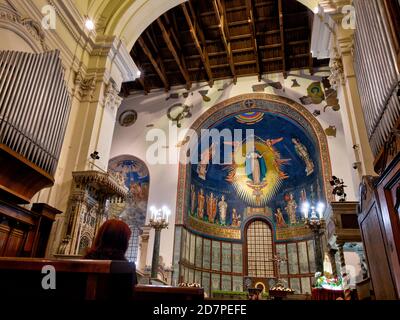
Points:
(101, 181)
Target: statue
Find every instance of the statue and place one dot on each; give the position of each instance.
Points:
(206, 156)
(223, 208)
(236, 219)
(290, 208)
(302, 151)
(200, 204)
(280, 221)
(338, 188)
(211, 207)
(193, 199)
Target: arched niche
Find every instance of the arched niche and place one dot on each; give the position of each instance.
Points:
(271, 106)
(135, 174)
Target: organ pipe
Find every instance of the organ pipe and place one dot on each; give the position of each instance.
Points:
(377, 73)
(34, 106)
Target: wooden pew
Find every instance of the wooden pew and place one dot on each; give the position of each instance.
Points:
(82, 280)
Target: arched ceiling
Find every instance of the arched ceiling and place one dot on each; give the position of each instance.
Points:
(127, 19)
(208, 40)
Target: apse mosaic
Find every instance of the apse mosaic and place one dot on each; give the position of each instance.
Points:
(274, 178)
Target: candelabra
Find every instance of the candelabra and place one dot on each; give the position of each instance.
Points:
(314, 219)
(158, 221)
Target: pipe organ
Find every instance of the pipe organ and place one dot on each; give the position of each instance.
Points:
(377, 72)
(376, 55)
(34, 106)
(34, 111)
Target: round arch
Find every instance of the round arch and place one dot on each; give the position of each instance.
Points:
(233, 105)
(130, 18)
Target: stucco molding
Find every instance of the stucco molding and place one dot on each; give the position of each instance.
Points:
(27, 28)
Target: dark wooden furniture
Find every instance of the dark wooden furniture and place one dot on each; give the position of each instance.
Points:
(167, 293)
(380, 229)
(25, 233)
(83, 280)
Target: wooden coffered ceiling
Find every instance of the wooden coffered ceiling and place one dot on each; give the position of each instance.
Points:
(208, 40)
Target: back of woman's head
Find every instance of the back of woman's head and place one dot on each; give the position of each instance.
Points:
(111, 242)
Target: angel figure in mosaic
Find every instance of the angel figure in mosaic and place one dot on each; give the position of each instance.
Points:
(303, 153)
(206, 157)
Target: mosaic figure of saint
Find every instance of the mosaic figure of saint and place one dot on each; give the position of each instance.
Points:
(291, 208)
(223, 208)
(211, 207)
(193, 199)
(280, 221)
(303, 153)
(200, 204)
(235, 218)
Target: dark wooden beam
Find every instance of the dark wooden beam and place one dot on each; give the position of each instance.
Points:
(157, 65)
(179, 59)
(282, 31)
(251, 17)
(200, 44)
(220, 14)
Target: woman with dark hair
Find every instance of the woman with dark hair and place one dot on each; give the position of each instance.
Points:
(111, 243)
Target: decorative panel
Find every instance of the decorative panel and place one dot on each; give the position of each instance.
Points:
(226, 257)
(192, 248)
(199, 252)
(215, 282)
(226, 284)
(281, 251)
(306, 285)
(292, 258)
(311, 256)
(302, 247)
(207, 254)
(216, 255)
(295, 285)
(237, 284)
(205, 282)
(237, 257)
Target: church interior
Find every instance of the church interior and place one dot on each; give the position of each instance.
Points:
(251, 147)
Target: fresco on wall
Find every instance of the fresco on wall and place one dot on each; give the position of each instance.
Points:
(133, 209)
(282, 171)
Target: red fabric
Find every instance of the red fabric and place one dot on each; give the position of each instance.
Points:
(325, 294)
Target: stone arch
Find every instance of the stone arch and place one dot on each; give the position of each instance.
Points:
(230, 106)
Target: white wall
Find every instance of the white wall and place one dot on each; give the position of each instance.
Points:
(152, 109)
